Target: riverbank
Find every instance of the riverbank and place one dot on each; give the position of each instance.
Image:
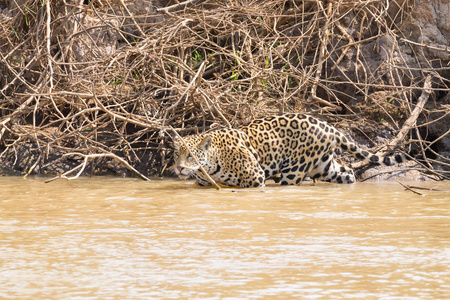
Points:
(99, 87)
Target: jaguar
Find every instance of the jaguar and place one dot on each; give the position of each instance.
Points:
(287, 148)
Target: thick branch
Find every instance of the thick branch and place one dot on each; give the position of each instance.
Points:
(411, 121)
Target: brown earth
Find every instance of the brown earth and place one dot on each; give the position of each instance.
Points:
(82, 79)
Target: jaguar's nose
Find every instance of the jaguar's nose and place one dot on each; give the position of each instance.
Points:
(180, 169)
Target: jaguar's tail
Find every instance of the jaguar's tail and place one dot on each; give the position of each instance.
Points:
(356, 151)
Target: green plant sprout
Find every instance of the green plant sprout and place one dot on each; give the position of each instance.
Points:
(15, 32)
(198, 57)
(30, 10)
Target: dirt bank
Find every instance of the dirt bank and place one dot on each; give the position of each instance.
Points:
(86, 78)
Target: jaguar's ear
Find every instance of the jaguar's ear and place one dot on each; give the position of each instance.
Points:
(206, 143)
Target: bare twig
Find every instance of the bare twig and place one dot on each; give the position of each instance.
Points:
(196, 80)
(178, 6)
(87, 157)
(132, 18)
(426, 189)
(18, 111)
(323, 46)
(407, 188)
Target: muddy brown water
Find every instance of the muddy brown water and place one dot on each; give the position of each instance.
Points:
(116, 238)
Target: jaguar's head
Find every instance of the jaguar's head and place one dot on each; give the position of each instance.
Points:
(185, 165)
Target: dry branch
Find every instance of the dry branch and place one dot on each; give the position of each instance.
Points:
(407, 188)
(324, 33)
(87, 157)
(185, 94)
(411, 121)
(178, 6)
(16, 112)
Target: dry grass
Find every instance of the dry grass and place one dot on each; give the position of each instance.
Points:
(98, 78)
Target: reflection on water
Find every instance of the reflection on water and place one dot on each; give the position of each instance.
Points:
(115, 238)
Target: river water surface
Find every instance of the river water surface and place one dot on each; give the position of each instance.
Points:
(116, 238)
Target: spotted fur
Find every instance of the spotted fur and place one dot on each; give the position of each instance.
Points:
(226, 155)
(288, 147)
(297, 146)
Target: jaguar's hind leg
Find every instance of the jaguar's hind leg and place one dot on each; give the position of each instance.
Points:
(340, 174)
(295, 175)
(292, 178)
(328, 169)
